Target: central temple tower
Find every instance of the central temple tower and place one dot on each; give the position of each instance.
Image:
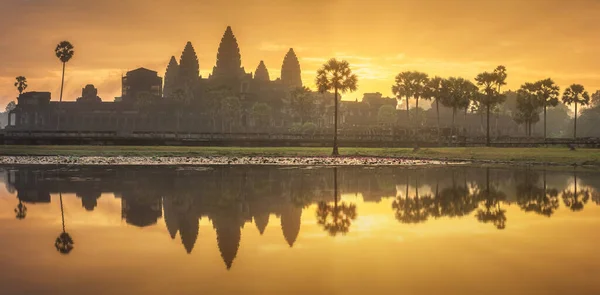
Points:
(229, 59)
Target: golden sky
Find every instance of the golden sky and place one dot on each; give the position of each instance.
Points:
(534, 39)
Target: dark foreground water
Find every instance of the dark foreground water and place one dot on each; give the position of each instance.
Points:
(294, 230)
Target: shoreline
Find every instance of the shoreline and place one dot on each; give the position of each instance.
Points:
(219, 160)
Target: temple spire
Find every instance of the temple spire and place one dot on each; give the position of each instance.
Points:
(229, 59)
(189, 69)
(171, 77)
(290, 70)
(261, 73)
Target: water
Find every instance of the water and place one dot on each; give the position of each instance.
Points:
(293, 230)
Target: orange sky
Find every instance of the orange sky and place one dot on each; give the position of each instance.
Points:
(534, 39)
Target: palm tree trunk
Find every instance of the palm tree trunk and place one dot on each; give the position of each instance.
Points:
(335, 187)
(407, 112)
(544, 122)
(487, 137)
(335, 125)
(453, 115)
(62, 212)
(62, 84)
(575, 126)
(437, 110)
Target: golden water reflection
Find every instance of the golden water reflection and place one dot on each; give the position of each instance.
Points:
(269, 230)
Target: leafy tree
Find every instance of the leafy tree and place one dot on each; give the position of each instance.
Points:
(434, 90)
(21, 84)
(336, 218)
(337, 76)
(261, 113)
(558, 120)
(576, 94)
(386, 115)
(403, 88)
(302, 103)
(10, 106)
(457, 93)
(419, 85)
(230, 112)
(530, 197)
(595, 102)
(548, 94)
(490, 84)
(575, 199)
(528, 105)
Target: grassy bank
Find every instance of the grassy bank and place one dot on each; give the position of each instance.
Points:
(560, 156)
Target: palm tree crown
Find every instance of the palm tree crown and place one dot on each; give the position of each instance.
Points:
(21, 84)
(64, 51)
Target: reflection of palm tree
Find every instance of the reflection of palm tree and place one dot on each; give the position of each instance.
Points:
(490, 199)
(64, 242)
(413, 210)
(454, 201)
(533, 198)
(337, 218)
(575, 199)
(21, 210)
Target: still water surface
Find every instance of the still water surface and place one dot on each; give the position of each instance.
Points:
(298, 230)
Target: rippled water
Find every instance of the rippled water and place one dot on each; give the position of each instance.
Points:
(299, 230)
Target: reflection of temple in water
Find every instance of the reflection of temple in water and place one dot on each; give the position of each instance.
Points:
(230, 197)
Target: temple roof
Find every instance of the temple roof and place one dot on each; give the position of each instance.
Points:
(261, 73)
(290, 70)
(229, 59)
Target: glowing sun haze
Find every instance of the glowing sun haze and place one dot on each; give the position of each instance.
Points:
(534, 39)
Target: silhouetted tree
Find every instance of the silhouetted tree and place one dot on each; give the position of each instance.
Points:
(575, 199)
(10, 106)
(528, 103)
(530, 197)
(403, 88)
(261, 112)
(335, 219)
(434, 90)
(64, 242)
(386, 115)
(576, 94)
(337, 76)
(490, 198)
(595, 99)
(302, 103)
(21, 210)
(413, 210)
(490, 84)
(21, 84)
(548, 94)
(64, 51)
(230, 112)
(457, 93)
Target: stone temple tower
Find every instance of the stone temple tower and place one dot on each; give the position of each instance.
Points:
(290, 70)
(229, 59)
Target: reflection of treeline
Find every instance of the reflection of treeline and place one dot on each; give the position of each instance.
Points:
(487, 192)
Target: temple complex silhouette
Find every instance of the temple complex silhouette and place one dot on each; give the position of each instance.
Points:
(229, 100)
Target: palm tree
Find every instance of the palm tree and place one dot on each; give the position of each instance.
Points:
(457, 93)
(336, 75)
(64, 51)
(337, 218)
(528, 103)
(403, 88)
(576, 94)
(548, 96)
(434, 91)
(490, 84)
(419, 88)
(21, 84)
(64, 242)
(21, 210)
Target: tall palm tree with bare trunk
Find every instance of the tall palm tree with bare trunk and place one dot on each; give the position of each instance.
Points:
(64, 51)
(576, 94)
(21, 84)
(64, 242)
(337, 76)
(548, 94)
